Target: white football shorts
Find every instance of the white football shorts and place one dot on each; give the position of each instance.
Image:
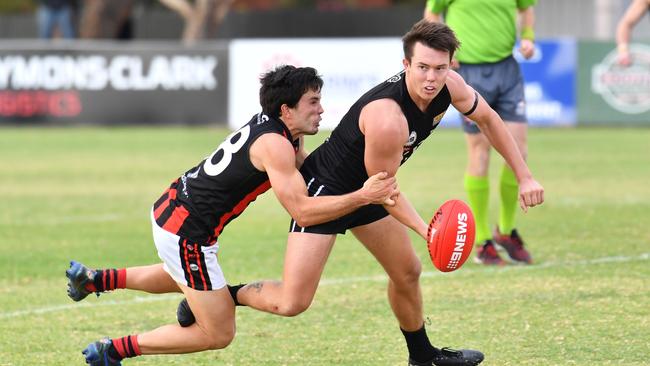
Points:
(188, 263)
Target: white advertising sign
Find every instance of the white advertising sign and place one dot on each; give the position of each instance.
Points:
(349, 67)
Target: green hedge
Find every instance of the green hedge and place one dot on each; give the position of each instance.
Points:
(17, 6)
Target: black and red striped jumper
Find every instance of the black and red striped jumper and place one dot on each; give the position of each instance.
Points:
(198, 205)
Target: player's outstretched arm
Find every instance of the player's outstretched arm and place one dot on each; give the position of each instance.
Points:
(275, 155)
(464, 99)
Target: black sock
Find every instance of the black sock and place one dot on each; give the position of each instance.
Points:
(233, 292)
(420, 349)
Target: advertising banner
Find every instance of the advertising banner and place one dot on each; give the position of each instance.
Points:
(550, 78)
(349, 67)
(112, 83)
(610, 93)
(549, 82)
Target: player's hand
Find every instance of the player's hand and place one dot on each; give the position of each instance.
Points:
(527, 48)
(531, 194)
(392, 199)
(381, 189)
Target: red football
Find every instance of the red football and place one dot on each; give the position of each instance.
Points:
(453, 238)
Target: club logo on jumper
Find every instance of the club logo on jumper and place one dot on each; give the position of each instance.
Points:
(437, 119)
(461, 239)
(194, 267)
(261, 118)
(396, 78)
(412, 137)
(624, 88)
(410, 146)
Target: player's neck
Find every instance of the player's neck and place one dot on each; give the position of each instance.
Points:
(295, 132)
(421, 103)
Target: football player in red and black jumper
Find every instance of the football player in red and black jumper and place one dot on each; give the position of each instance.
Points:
(190, 216)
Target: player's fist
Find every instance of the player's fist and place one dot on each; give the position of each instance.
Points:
(531, 194)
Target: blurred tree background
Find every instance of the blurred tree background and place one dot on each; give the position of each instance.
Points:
(27, 6)
(17, 6)
(115, 19)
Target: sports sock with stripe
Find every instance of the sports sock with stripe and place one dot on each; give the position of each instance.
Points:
(478, 193)
(125, 347)
(509, 200)
(107, 280)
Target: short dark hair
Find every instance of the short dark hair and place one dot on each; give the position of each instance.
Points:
(285, 85)
(432, 34)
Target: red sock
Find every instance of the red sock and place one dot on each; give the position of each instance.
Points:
(107, 280)
(127, 347)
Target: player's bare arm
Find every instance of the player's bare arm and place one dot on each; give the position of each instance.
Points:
(464, 97)
(275, 155)
(386, 132)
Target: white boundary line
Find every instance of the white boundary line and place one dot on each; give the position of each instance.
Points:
(52, 309)
(483, 269)
(334, 282)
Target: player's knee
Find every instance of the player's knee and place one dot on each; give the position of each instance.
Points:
(215, 336)
(414, 272)
(220, 340)
(410, 274)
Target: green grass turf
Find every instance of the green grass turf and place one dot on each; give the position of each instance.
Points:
(85, 194)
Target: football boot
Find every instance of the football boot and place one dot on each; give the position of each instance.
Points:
(514, 245)
(451, 357)
(96, 354)
(78, 277)
(487, 254)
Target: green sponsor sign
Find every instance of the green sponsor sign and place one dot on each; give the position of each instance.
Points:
(609, 93)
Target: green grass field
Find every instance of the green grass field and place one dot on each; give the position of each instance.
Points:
(85, 194)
